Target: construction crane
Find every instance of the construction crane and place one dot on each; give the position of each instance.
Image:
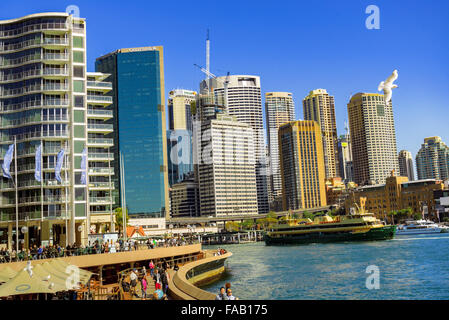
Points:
(225, 83)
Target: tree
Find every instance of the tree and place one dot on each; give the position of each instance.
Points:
(247, 224)
(232, 226)
(119, 218)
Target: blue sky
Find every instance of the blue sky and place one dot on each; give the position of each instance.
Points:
(293, 46)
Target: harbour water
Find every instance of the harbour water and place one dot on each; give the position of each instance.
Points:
(410, 267)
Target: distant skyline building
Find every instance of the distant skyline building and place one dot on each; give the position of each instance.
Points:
(320, 107)
(345, 158)
(179, 109)
(302, 165)
(179, 137)
(279, 109)
(137, 75)
(432, 159)
(226, 171)
(406, 164)
(244, 101)
(184, 199)
(373, 138)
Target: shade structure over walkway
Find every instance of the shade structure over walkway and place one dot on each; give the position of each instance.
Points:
(48, 277)
(7, 274)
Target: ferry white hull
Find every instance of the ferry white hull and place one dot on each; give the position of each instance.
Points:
(400, 232)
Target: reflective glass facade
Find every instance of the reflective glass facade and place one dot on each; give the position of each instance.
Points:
(139, 126)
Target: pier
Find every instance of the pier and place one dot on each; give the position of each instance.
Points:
(232, 237)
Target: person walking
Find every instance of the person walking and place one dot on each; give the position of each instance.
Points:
(157, 279)
(144, 287)
(164, 279)
(151, 265)
(133, 278)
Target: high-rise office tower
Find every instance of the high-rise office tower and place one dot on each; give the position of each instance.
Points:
(179, 137)
(137, 75)
(279, 109)
(432, 159)
(46, 100)
(320, 107)
(406, 164)
(226, 171)
(345, 158)
(373, 138)
(244, 101)
(302, 165)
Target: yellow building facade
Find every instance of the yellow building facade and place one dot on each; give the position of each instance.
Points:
(396, 194)
(302, 165)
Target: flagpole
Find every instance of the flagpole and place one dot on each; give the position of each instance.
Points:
(42, 185)
(17, 196)
(66, 196)
(110, 193)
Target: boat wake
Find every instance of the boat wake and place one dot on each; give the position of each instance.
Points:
(420, 238)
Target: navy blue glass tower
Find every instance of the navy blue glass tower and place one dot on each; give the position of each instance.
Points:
(139, 127)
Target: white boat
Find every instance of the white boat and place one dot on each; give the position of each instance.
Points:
(420, 227)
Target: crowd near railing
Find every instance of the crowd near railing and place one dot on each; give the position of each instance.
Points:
(57, 251)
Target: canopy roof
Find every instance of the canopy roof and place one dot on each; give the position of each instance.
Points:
(6, 274)
(48, 277)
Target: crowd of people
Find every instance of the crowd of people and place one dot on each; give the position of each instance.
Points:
(160, 276)
(226, 293)
(54, 251)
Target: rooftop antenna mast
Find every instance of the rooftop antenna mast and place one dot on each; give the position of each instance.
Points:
(208, 60)
(207, 54)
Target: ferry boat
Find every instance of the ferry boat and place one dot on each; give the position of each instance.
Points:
(353, 227)
(421, 227)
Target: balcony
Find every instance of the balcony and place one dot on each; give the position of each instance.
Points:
(101, 185)
(8, 63)
(100, 171)
(56, 57)
(99, 86)
(100, 128)
(55, 88)
(55, 73)
(55, 43)
(94, 142)
(8, 48)
(99, 114)
(50, 27)
(12, 77)
(100, 156)
(100, 200)
(98, 99)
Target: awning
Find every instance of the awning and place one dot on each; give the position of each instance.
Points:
(7, 273)
(22, 283)
(48, 277)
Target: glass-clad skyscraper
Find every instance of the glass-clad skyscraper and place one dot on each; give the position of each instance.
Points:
(139, 133)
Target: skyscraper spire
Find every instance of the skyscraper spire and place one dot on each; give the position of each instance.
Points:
(207, 54)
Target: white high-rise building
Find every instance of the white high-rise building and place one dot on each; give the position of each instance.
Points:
(279, 109)
(226, 168)
(244, 101)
